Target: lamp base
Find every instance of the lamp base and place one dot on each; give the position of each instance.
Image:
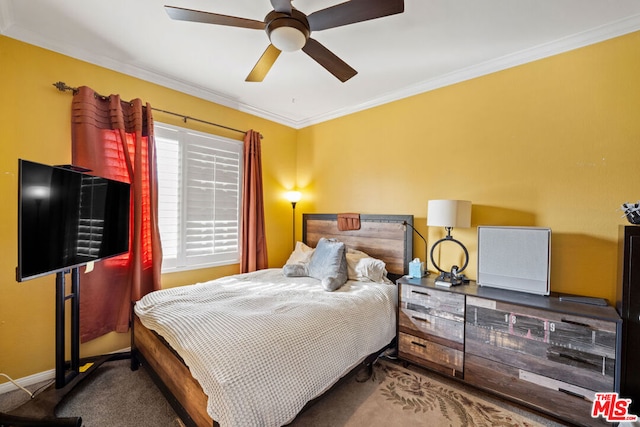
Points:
(443, 283)
(451, 279)
(455, 276)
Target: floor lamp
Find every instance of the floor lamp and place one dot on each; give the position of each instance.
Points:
(293, 197)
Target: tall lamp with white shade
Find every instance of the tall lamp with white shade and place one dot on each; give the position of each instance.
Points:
(450, 214)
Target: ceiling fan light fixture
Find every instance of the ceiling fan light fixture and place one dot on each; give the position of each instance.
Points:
(288, 39)
(289, 30)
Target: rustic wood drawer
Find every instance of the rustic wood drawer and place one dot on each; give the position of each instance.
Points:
(546, 394)
(430, 354)
(443, 304)
(431, 328)
(434, 315)
(572, 349)
(419, 321)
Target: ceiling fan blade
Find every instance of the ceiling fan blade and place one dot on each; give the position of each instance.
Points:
(328, 60)
(283, 6)
(182, 14)
(264, 64)
(353, 11)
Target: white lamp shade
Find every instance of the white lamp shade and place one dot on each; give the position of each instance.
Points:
(287, 39)
(449, 213)
(293, 196)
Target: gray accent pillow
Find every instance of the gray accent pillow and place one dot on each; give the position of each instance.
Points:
(295, 270)
(329, 264)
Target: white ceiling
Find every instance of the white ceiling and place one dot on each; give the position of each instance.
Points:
(432, 44)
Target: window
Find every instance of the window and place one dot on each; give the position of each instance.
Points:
(199, 195)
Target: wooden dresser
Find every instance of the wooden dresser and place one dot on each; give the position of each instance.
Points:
(542, 352)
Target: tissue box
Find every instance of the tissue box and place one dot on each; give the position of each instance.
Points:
(416, 268)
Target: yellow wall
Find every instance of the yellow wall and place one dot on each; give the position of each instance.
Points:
(553, 143)
(35, 125)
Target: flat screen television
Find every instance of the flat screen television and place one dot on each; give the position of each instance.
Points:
(67, 218)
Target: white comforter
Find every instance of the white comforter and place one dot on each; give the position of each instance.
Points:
(262, 345)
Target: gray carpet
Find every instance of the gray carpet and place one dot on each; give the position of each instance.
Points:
(116, 396)
(113, 395)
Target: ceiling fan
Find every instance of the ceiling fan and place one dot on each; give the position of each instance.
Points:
(289, 30)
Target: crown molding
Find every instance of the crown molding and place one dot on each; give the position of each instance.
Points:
(576, 41)
(138, 72)
(596, 35)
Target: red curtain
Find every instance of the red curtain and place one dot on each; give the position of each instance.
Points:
(114, 139)
(253, 238)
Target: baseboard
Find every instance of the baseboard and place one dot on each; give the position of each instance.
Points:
(27, 381)
(39, 377)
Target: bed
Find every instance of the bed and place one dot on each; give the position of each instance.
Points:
(256, 348)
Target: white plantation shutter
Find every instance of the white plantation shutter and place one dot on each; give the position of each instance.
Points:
(200, 178)
(169, 156)
(90, 225)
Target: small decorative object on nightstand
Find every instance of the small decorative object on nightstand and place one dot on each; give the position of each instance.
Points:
(632, 212)
(416, 268)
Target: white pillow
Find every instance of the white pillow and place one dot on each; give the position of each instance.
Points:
(353, 256)
(301, 254)
(371, 269)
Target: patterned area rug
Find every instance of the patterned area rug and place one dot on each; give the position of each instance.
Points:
(395, 396)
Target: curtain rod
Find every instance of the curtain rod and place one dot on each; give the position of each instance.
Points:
(63, 87)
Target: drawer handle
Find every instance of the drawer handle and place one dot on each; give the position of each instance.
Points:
(421, 293)
(418, 344)
(573, 393)
(573, 322)
(420, 319)
(577, 359)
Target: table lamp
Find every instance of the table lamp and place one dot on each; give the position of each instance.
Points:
(449, 214)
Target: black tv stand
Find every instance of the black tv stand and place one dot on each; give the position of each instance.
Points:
(40, 410)
(62, 377)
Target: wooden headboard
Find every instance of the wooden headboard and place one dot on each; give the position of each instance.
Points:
(381, 236)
